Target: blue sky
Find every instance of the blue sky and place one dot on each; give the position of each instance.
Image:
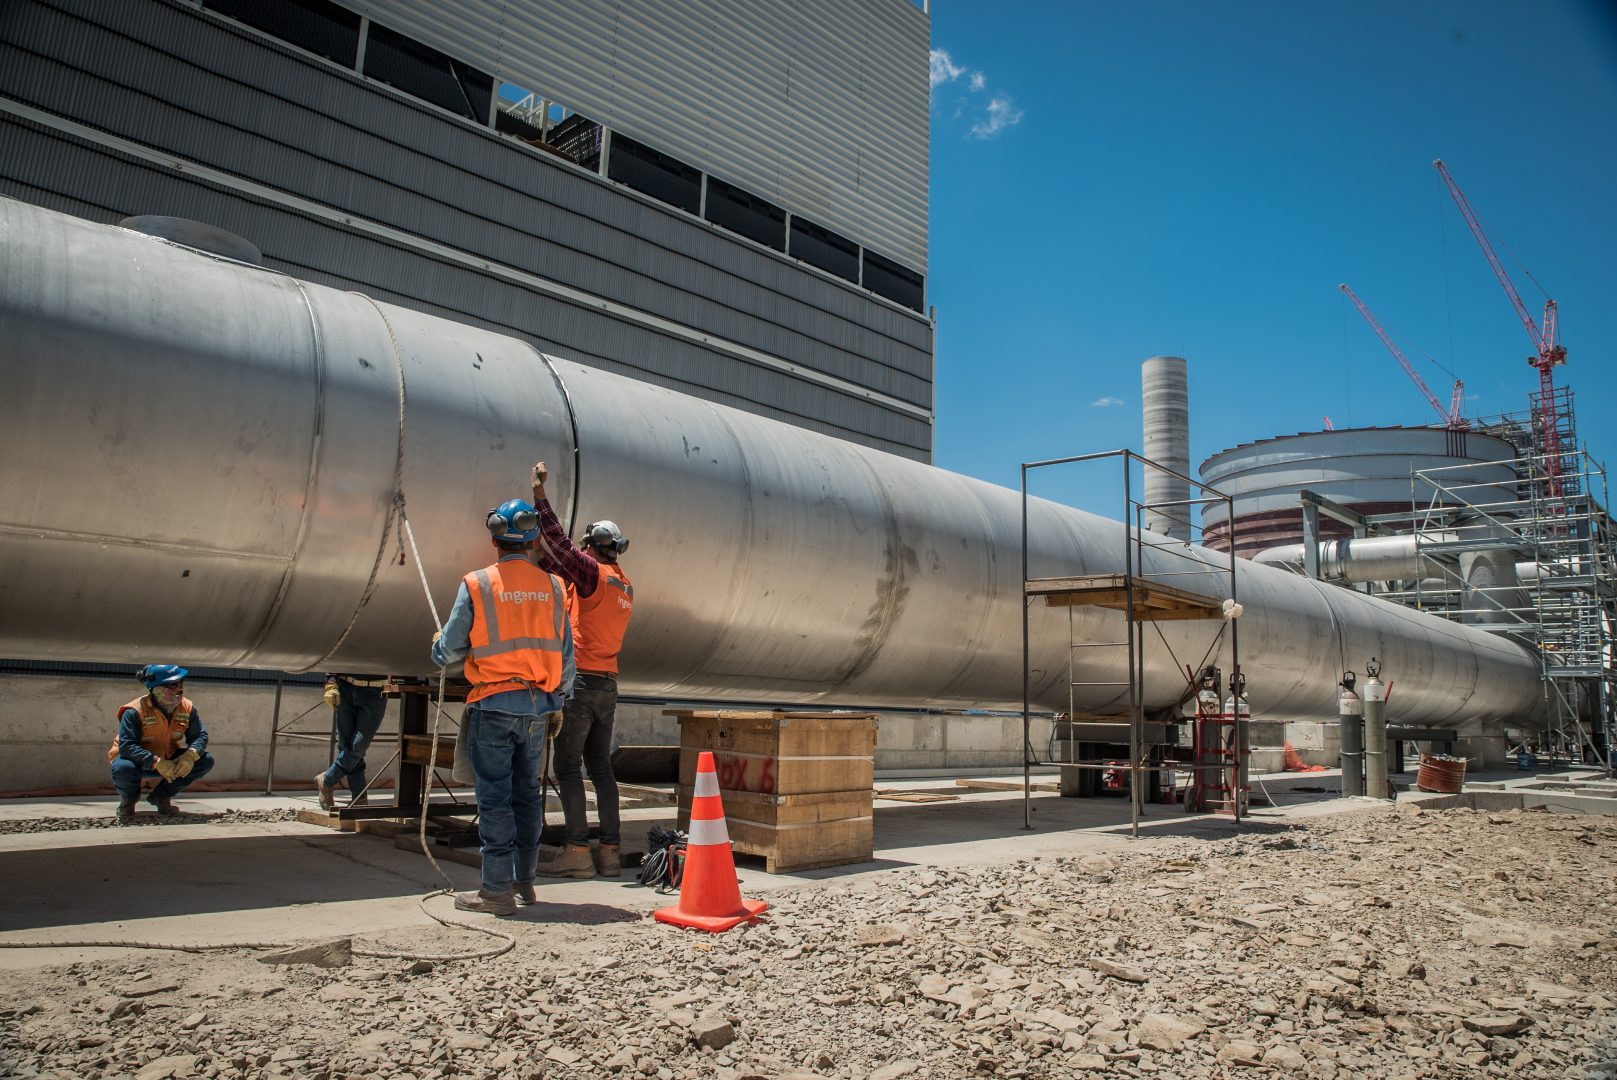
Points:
(1113, 181)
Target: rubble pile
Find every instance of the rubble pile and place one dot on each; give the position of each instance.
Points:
(1388, 943)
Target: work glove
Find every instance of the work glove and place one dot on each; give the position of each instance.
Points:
(167, 768)
(185, 763)
(331, 696)
(539, 474)
(553, 724)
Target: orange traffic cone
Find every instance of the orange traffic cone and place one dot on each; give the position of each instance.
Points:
(709, 895)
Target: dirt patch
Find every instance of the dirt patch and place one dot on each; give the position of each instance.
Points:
(1391, 944)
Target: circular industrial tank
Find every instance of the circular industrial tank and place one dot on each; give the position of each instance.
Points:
(1366, 469)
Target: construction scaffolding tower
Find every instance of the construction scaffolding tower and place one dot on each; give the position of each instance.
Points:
(1143, 596)
(1535, 561)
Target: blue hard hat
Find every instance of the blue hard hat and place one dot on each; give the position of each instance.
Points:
(161, 674)
(514, 521)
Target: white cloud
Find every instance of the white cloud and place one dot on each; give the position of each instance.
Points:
(1002, 113)
(1105, 402)
(944, 69)
(985, 121)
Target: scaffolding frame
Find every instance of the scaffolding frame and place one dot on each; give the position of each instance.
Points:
(1553, 520)
(1142, 597)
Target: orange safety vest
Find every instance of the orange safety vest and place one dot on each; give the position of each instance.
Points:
(517, 629)
(600, 619)
(160, 734)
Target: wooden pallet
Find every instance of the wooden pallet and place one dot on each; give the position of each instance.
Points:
(1003, 785)
(325, 820)
(1153, 601)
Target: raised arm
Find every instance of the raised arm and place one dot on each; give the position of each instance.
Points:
(555, 552)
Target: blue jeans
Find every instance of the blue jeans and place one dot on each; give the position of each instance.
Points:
(358, 717)
(126, 777)
(507, 753)
(585, 744)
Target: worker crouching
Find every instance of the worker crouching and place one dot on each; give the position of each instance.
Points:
(509, 622)
(159, 734)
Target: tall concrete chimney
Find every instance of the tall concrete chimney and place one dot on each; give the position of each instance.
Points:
(1165, 404)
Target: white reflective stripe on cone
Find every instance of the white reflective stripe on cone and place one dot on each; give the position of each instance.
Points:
(711, 831)
(707, 783)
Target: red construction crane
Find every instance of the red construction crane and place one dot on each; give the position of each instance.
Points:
(1451, 416)
(1548, 351)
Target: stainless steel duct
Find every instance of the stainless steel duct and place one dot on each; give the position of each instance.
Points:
(201, 462)
(1372, 558)
(1165, 409)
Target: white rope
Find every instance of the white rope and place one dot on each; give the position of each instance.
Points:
(509, 940)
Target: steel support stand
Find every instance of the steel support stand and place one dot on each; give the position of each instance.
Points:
(275, 734)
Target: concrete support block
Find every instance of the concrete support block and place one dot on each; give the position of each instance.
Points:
(1266, 734)
(1317, 742)
(69, 747)
(1267, 760)
(57, 730)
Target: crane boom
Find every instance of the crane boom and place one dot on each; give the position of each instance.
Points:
(1548, 352)
(1534, 334)
(1451, 416)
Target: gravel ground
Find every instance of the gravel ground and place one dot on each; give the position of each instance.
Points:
(145, 817)
(1396, 943)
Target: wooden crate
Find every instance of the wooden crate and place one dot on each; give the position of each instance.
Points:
(795, 832)
(796, 785)
(780, 753)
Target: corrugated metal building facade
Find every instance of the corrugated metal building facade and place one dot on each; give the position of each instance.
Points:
(809, 116)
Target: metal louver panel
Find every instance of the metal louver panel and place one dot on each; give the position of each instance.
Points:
(819, 106)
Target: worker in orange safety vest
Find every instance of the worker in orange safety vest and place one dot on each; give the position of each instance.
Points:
(159, 734)
(600, 602)
(509, 623)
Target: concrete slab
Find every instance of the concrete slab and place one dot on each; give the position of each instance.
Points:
(287, 881)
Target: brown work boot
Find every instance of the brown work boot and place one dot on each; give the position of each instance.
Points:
(573, 862)
(607, 863)
(164, 803)
(361, 799)
(125, 814)
(502, 903)
(328, 797)
(525, 894)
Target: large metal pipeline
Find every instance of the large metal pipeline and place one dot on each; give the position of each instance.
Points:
(201, 461)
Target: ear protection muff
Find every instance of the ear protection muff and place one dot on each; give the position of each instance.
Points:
(513, 521)
(521, 521)
(606, 536)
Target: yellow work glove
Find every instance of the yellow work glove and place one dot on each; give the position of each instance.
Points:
(331, 696)
(552, 724)
(185, 763)
(166, 768)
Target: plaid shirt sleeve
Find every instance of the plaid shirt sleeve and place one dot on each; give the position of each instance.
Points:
(558, 555)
